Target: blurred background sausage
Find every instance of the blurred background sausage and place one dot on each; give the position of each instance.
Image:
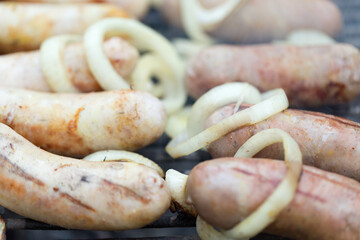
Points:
(135, 8)
(266, 20)
(23, 26)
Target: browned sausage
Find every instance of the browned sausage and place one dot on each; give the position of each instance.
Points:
(137, 8)
(265, 20)
(310, 75)
(325, 206)
(77, 194)
(80, 124)
(327, 142)
(23, 70)
(23, 26)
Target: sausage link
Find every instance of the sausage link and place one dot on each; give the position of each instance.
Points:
(325, 206)
(79, 124)
(137, 8)
(74, 193)
(310, 75)
(23, 70)
(266, 20)
(24, 26)
(327, 142)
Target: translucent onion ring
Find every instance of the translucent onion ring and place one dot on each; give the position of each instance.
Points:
(211, 101)
(177, 122)
(142, 37)
(123, 156)
(2, 229)
(176, 183)
(152, 65)
(148, 66)
(52, 64)
(273, 102)
(268, 211)
(196, 18)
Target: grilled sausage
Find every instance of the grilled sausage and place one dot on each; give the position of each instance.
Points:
(79, 124)
(310, 75)
(325, 206)
(74, 193)
(23, 70)
(137, 8)
(23, 26)
(327, 142)
(265, 20)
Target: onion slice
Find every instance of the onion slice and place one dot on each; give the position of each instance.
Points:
(143, 38)
(177, 122)
(52, 64)
(2, 229)
(176, 183)
(123, 156)
(196, 19)
(268, 211)
(273, 102)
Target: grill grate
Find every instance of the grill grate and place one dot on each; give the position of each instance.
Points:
(177, 226)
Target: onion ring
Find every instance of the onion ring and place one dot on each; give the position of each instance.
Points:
(142, 37)
(267, 212)
(52, 65)
(176, 183)
(196, 19)
(177, 122)
(123, 156)
(273, 102)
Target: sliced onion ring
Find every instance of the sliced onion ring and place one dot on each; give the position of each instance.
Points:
(123, 156)
(52, 64)
(151, 65)
(196, 18)
(142, 37)
(176, 183)
(2, 229)
(273, 102)
(282, 195)
(177, 122)
(211, 101)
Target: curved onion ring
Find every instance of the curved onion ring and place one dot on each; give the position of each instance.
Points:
(142, 37)
(2, 229)
(52, 65)
(210, 102)
(196, 18)
(281, 196)
(177, 122)
(123, 156)
(176, 183)
(152, 65)
(273, 102)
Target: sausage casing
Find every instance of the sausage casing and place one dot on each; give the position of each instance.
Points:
(325, 206)
(23, 70)
(24, 26)
(79, 124)
(310, 75)
(74, 193)
(327, 142)
(266, 20)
